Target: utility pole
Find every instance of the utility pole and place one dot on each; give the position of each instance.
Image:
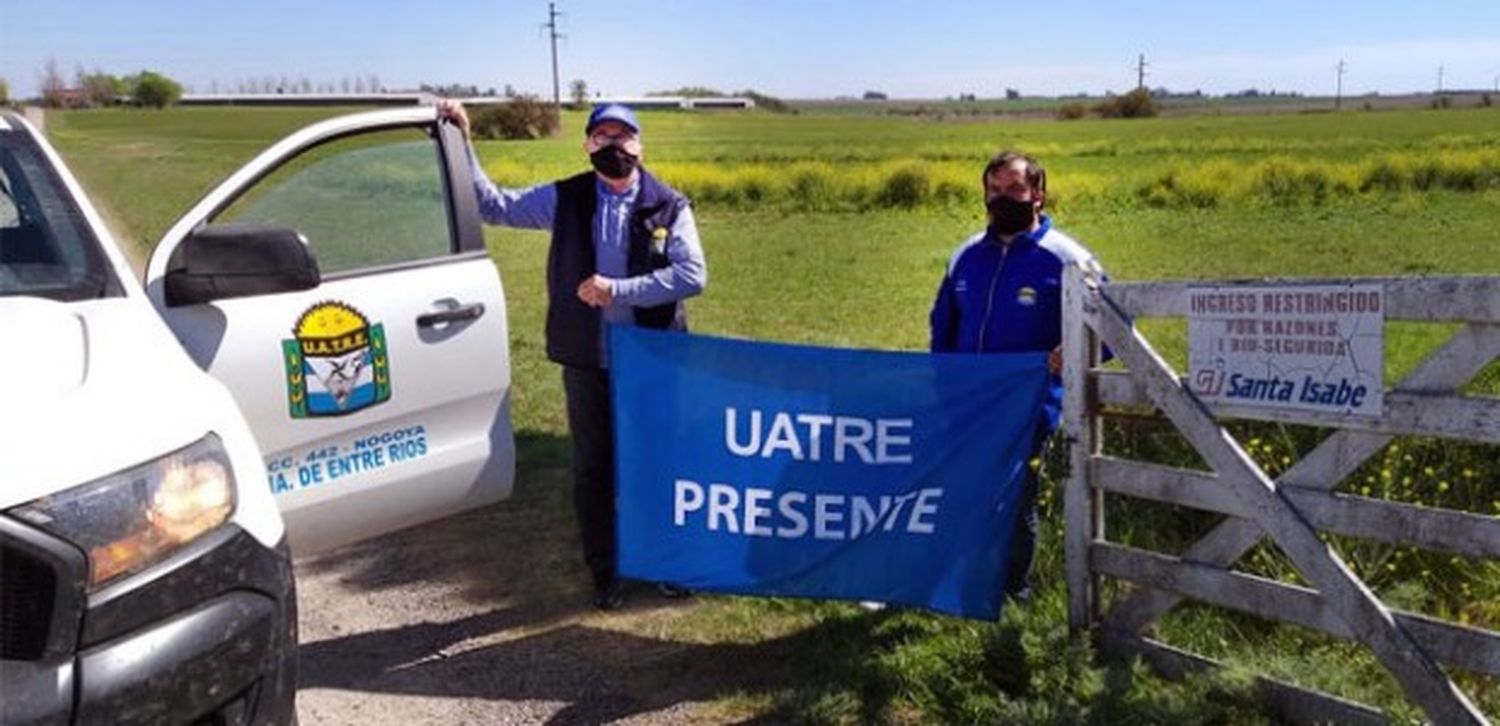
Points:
(1440, 79)
(1140, 71)
(1338, 93)
(551, 27)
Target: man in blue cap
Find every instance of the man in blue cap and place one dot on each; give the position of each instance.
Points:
(625, 251)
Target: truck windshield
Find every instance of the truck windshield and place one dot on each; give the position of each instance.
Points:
(47, 248)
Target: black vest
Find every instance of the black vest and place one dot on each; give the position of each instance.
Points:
(573, 327)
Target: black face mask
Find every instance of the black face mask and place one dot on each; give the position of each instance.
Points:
(614, 162)
(1010, 216)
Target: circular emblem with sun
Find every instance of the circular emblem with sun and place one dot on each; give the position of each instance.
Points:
(336, 363)
(329, 320)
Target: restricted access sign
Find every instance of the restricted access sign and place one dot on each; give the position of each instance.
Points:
(1305, 347)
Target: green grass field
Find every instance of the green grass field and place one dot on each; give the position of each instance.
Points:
(831, 229)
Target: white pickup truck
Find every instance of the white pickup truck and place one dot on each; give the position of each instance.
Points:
(318, 354)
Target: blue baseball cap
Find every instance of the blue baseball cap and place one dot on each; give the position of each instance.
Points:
(612, 112)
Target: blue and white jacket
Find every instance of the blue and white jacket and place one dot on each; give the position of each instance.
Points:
(1007, 298)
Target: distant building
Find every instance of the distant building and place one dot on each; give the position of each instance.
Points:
(720, 102)
(669, 102)
(306, 99)
(65, 98)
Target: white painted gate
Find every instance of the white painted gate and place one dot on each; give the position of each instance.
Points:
(1290, 510)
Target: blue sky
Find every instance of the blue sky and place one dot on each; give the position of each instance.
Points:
(790, 48)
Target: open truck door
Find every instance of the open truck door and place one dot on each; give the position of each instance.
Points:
(339, 286)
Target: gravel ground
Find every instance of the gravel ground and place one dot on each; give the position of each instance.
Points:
(483, 618)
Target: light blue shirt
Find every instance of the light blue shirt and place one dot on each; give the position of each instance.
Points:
(536, 207)
(612, 242)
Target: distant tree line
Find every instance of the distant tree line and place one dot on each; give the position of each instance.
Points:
(368, 83)
(762, 100)
(1257, 93)
(690, 92)
(524, 116)
(455, 90)
(91, 89)
(1139, 103)
(96, 88)
(769, 103)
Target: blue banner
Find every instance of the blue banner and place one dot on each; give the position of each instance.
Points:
(785, 470)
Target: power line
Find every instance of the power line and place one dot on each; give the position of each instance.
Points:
(551, 27)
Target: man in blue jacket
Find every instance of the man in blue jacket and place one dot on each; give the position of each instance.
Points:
(1003, 294)
(624, 251)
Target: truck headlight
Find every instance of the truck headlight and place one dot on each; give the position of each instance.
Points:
(130, 520)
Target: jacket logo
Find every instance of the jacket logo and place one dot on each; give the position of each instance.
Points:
(961, 285)
(338, 362)
(1026, 296)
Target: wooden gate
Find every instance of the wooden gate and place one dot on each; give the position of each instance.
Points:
(1290, 510)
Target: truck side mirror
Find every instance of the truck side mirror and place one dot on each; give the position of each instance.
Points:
(222, 261)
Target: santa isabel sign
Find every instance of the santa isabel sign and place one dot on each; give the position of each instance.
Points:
(1306, 347)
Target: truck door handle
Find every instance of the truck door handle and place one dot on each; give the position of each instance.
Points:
(459, 314)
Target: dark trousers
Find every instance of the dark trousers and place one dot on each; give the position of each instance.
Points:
(592, 428)
(1023, 538)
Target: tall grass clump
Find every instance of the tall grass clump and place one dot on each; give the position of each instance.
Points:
(1277, 180)
(1465, 174)
(1462, 170)
(814, 187)
(756, 186)
(523, 117)
(956, 185)
(1075, 189)
(1284, 182)
(508, 173)
(705, 184)
(1189, 187)
(1136, 104)
(952, 193)
(1427, 174)
(905, 188)
(1071, 111)
(1209, 180)
(1386, 174)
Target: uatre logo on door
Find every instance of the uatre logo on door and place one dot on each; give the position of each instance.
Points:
(338, 362)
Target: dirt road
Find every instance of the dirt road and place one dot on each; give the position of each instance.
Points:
(484, 619)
